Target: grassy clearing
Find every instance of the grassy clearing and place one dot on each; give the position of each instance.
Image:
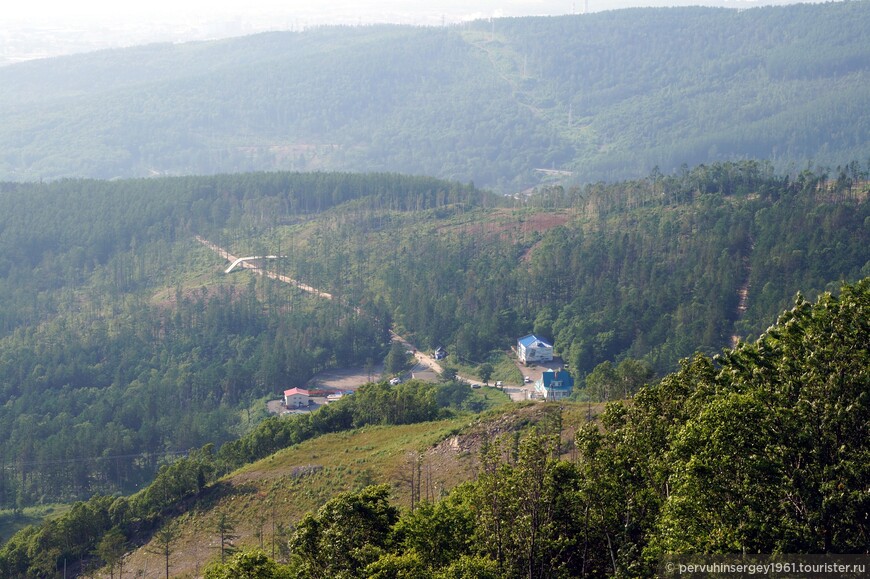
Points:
(504, 367)
(12, 522)
(488, 398)
(274, 493)
(265, 499)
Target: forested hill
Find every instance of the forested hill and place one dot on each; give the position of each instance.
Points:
(607, 95)
(762, 449)
(123, 342)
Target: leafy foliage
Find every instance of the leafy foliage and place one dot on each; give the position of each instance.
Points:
(247, 565)
(119, 348)
(347, 534)
(606, 95)
(762, 449)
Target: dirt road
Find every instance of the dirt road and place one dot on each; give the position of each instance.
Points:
(520, 392)
(422, 358)
(259, 270)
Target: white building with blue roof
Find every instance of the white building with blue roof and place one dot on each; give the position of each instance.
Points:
(531, 348)
(555, 385)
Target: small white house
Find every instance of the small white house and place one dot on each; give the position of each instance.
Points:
(554, 385)
(296, 398)
(533, 349)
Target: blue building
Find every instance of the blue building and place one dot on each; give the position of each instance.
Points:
(531, 348)
(555, 384)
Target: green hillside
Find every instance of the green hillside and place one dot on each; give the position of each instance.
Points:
(678, 199)
(123, 344)
(761, 449)
(609, 95)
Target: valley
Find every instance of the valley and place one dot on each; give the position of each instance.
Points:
(592, 97)
(519, 297)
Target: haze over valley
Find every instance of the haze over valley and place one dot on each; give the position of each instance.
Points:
(47, 28)
(507, 103)
(475, 294)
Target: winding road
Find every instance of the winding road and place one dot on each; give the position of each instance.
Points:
(257, 269)
(422, 358)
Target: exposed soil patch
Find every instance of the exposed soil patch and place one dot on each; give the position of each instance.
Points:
(546, 220)
(345, 378)
(509, 225)
(467, 444)
(743, 291)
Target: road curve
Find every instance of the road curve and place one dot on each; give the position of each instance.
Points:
(422, 358)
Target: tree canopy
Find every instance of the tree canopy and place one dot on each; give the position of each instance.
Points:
(502, 103)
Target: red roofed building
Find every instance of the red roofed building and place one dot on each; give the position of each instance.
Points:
(296, 398)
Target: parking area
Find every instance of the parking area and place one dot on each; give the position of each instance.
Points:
(531, 374)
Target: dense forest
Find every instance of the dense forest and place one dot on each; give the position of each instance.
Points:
(607, 95)
(123, 343)
(678, 199)
(761, 449)
(650, 269)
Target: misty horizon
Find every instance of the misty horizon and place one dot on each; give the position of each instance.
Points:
(35, 31)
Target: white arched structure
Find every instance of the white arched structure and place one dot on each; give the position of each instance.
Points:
(244, 259)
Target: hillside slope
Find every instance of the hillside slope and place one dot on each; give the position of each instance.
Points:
(110, 305)
(607, 95)
(761, 449)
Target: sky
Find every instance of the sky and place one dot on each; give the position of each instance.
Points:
(42, 28)
(84, 11)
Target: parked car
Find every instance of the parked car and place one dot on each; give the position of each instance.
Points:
(527, 380)
(395, 381)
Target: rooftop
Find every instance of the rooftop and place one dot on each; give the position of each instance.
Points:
(532, 339)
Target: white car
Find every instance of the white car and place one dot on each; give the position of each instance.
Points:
(395, 381)
(527, 380)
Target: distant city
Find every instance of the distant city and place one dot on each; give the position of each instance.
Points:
(45, 41)
(47, 37)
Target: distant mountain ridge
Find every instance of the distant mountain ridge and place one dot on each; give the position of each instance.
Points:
(608, 95)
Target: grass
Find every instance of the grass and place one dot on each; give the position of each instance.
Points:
(11, 522)
(274, 493)
(487, 398)
(278, 490)
(504, 367)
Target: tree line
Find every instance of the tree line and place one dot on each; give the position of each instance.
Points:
(99, 529)
(488, 102)
(760, 449)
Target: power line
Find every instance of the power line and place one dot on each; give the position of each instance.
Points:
(15, 463)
